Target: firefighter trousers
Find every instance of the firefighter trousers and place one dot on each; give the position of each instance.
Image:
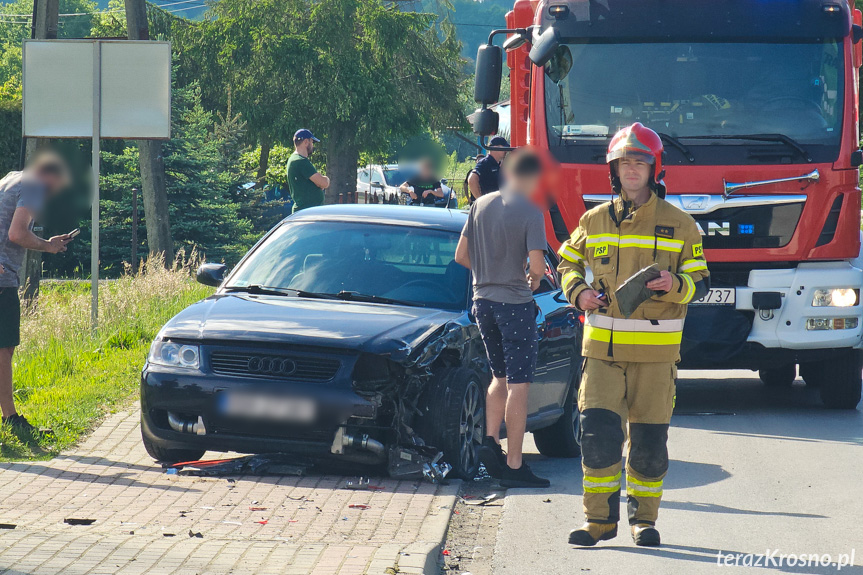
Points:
(611, 395)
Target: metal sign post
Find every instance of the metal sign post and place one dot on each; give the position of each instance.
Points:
(97, 163)
(110, 89)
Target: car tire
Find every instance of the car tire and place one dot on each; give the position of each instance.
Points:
(782, 376)
(809, 373)
(453, 418)
(172, 455)
(839, 380)
(561, 438)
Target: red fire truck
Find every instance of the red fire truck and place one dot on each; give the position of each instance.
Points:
(757, 104)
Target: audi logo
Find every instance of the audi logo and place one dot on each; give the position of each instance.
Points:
(272, 365)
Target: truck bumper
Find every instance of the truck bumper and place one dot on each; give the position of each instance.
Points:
(743, 336)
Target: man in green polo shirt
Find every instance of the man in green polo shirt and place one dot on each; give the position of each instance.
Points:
(304, 182)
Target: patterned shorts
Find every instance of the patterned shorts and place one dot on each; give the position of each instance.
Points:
(508, 331)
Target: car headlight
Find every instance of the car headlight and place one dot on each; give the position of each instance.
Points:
(172, 354)
(839, 297)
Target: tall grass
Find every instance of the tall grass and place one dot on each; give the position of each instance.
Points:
(67, 378)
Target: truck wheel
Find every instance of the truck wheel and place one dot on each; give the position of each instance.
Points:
(453, 418)
(778, 376)
(561, 438)
(839, 379)
(809, 373)
(171, 455)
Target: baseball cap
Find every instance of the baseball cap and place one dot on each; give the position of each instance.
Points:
(498, 141)
(304, 134)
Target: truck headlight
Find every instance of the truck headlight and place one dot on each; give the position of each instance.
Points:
(839, 297)
(172, 354)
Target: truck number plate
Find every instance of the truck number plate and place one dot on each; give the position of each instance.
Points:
(718, 296)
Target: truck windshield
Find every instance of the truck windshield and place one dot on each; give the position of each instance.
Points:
(692, 90)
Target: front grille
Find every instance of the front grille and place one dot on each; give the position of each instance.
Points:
(749, 227)
(272, 366)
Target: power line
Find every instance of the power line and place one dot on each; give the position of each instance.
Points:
(112, 11)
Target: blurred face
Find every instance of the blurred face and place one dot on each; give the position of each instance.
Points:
(634, 173)
(526, 185)
(497, 155)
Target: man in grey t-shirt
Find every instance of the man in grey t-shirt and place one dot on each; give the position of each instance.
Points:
(504, 230)
(22, 195)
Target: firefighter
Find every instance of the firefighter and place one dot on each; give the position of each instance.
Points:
(629, 369)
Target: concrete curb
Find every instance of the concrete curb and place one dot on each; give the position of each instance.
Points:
(422, 557)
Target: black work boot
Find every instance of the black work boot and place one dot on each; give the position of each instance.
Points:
(590, 533)
(521, 477)
(492, 456)
(645, 535)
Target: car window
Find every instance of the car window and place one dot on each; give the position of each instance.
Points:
(363, 176)
(410, 264)
(395, 177)
(377, 178)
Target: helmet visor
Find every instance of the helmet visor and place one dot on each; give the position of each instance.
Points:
(624, 152)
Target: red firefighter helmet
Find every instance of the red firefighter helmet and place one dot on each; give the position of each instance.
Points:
(637, 140)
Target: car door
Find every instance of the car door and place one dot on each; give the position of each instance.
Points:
(557, 327)
(362, 185)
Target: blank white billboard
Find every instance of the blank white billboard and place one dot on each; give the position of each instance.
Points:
(135, 98)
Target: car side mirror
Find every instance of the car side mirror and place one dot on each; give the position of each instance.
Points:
(211, 274)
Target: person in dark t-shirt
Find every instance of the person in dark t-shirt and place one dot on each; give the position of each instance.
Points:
(424, 188)
(486, 177)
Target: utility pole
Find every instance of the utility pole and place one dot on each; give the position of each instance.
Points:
(134, 230)
(46, 17)
(153, 184)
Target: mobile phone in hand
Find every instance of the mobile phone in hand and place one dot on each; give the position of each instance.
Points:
(74, 233)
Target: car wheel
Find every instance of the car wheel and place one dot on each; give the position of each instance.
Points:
(561, 438)
(453, 418)
(782, 376)
(172, 455)
(838, 380)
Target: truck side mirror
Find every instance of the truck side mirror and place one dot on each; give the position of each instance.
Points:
(544, 47)
(211, 274)
(486, 88)
(485, 122)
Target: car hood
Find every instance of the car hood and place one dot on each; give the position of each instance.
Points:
(367, 327)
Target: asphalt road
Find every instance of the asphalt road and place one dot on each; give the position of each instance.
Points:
(753, 471)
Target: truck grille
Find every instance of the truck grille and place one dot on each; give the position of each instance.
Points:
(270, 366)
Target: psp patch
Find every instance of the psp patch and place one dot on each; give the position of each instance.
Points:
(600, 251)
(697, 250)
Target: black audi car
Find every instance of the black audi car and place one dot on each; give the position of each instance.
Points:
(346, 332)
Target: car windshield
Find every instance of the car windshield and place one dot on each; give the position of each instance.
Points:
(411, 265)
(695, 90)
(395, 177)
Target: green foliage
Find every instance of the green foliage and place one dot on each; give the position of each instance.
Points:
(64, 378)
(10, 135)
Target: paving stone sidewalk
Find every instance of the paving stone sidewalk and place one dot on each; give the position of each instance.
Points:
(146, 521)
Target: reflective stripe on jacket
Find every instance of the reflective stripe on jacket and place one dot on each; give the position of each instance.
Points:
(656, 232)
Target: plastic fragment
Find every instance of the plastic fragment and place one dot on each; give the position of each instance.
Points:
(168, 535)
(197, 534)
(359, 506)
(446, 552)
(262, 521)
(7, 526)
(73, 521)
(257, 508)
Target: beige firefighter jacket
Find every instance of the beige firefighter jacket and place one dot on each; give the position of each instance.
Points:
(655, 232)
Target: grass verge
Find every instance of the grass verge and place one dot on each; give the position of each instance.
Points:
(67, 379)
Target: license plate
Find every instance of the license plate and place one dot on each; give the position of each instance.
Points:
(268, 407)
(718, 296)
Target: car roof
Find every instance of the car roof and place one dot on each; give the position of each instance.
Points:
(413, 216)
